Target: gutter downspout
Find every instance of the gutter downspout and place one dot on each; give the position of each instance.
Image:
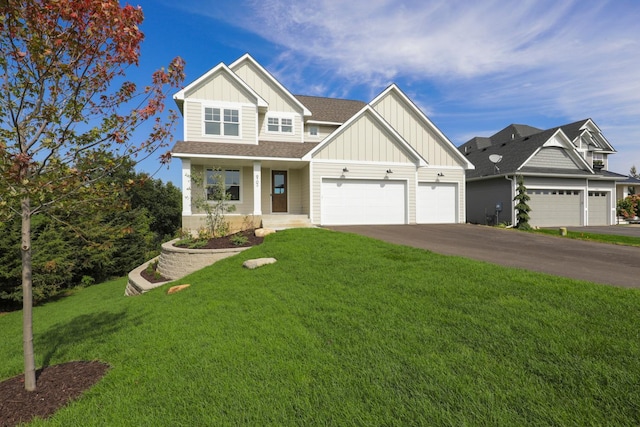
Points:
(513, 206)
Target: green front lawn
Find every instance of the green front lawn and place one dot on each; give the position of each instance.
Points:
(603, 238)
(347, 330)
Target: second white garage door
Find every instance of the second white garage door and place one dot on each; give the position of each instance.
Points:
(436, 203)
(355, 201)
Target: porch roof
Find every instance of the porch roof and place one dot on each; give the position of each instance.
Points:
(264, 149)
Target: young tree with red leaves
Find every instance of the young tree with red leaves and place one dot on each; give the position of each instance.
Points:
(67, 116)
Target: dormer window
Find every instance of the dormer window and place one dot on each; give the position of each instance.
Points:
(221, 121)
(313, 130)
(280, 124)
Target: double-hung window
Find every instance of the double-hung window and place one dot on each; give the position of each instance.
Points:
(221, 121)
(280, 125)
(231, 179)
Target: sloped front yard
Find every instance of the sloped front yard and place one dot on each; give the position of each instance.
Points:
(346, 330)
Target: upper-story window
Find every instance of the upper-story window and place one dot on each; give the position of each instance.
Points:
(313, 130)
(221, 121)
(280, 124)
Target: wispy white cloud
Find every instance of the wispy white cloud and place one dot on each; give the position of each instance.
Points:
(571, 59)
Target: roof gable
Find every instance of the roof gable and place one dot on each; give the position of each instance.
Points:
(246, 62)
(217, 71)
(587, 132)
(345, 142)
(393, 92)
(520, 154)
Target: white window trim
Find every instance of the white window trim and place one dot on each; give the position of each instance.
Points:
(222, 107)
(279, 117)
(240, 192)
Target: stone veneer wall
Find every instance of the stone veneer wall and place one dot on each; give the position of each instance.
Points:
(175, 262)
(191, 224)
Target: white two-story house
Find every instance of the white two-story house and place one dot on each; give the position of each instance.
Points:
(322, 161)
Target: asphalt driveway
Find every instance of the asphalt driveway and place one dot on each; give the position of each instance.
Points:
(596, 262)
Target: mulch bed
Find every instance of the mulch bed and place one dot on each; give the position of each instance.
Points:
(217, 243)
(55, 387)
(227, 241)
(58, 385)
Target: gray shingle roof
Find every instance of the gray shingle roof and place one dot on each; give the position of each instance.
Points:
(289, 150)
(514, 152)
(330, 109)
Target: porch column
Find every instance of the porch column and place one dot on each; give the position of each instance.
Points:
(257, 188)
(186, 187)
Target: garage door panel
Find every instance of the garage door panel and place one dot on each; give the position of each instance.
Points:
(598, 208)
(352, 201)
(550, 208)
(436, 203)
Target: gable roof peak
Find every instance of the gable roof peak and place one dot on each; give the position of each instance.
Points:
(248, 58)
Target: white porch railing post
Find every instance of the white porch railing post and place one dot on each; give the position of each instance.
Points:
(186, 187)
(257, 188)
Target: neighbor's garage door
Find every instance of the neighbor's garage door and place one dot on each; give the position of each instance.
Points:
(353, 201)
(555, 207)
(598, 208)
(436, 203)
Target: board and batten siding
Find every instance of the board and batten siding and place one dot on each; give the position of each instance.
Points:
(361, 172)
(194, 124)
(552, 157)
(222, 88)
(271, 93)
(364, 140)
(408, 124)
(451, 176)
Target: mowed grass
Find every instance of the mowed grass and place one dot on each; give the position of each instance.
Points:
(603, 238)
(346, 330)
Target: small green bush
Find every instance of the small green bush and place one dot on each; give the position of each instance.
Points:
(239, 239)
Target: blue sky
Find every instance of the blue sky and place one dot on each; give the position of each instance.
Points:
(472, 67)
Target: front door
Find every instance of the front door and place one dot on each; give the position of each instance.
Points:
(278, 191)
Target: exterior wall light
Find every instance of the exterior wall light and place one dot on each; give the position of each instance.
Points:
(344, 169)
(389, 170)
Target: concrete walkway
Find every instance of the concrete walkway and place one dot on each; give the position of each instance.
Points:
(595, 262)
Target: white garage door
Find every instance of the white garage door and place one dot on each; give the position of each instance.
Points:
(598, 208)
(354, 201)
(551, 208)
(436, 203)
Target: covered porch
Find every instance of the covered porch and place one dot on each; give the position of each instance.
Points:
(272, 193)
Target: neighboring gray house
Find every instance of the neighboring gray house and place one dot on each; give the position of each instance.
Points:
(289, 158)
(564, 170)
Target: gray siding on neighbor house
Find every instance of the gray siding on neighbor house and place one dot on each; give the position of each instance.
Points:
(482, 197)
(552, 157)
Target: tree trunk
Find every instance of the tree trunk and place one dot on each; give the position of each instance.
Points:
(27, 299)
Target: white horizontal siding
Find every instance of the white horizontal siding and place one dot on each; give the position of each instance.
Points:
(194, 120)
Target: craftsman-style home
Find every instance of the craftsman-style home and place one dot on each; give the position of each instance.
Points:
(289, 159)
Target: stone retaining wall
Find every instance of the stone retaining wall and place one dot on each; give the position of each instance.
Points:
(175, 263)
